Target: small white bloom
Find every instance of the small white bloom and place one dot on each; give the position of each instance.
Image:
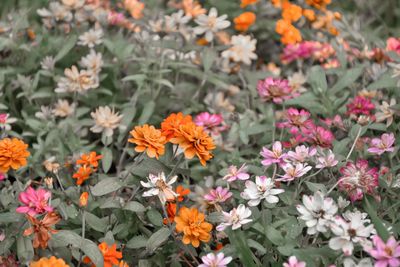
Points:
(63, 109)
(91, 38)
(317, 212)
(349, 262)
(48, 63)
(210, 24)
(56, 12)
(296, 81)
(45, 113)
(263, 188)
(301, 154)
(105, 119)
(342, 202)
(160, 187)
(176, 21)
(242, 49)
(326, 161)
(235, 218)
(93, 61)
(6, 121)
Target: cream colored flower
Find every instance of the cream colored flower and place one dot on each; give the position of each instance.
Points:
(218, 103)
(93, 61)
(296, 81)
(106, 120)
(210, 24)
(48, 63)
(77, 81)
(75, 4)
(63, 109)
(56, 12)
(386, 112)
(91, 38)
(242, 49)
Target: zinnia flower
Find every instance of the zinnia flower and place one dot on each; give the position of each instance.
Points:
(276, 90)
(13, 154)
(47, 262)
(296, 120)
(90, 159)
(193, 8)
(110, 254)
(236, 174)
(320, 136)
(160, 187)
(93, 61)
(360, 105)
(42, 229)
(181, 192)
(77, 81)
(273, 156)
(235, 218)
(386, 112)
(383, 144)
(244, 21)
(149, 139)
(293, 171)
(35, 201)
(393, 44)
(106, 120)
(2, 176)
(91, 38)
(193, 225)
(63, 109)
(245, 3)
(294, 262)
(301, 154)
(326, 161)
(218, 195)
(210, 24)
(82, 174)
(5, 121)
(212, 260)
(171, 124)
(262, 189)
(241, 50)
(385, 254)
(211, 123)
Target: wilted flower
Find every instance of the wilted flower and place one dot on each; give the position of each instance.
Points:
(385, 254)
(242, 49)
(83, 199)
(383, 144)
(317, 211)
(277, 90)
(386, 112)
(42, 229)
(235, 218)
(294, 262)
(91, 38)
(262, 189)
(273, 156)
(63, 109)
(211, 123)
(5, 121)
(236, 174)
(210, 24)
(149, 139)
(160, 187)
(35, 201)
(93, 61)
(293, 171)
(13, 154)
(327, 160)
(218, 195)
(301, 154)
(106, 120)
(212, 260)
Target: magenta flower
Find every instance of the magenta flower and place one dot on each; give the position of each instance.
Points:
(383, 144)
(236, 174)
(301, 50)
(2, 176)
(276, 90)
(212, 260)
(212, 123)
(358, 179)
(294, 262)
(320, 136)
(293, 171)
(36, 201)
(385, 254)
(360, 106)
(393, 44)
(275, 155)
(296, 120)
(218, 195)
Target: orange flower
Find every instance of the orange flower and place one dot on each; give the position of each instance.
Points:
(148, 138)
(134, 7)
(291, 12)
(123, 264)
(41, 229)
(49, 262)
(171, 124)
(191, 223)
(244, 21)
(90, 159)
(244, 3)
(202, 42)
(289, 33)
(195, 142)
(13, 154)
(110, 254)
(181, 191)
(171, 211)
(309, 14)
(278, 3)
(319, 4)
(193, 8)
(82, 174)
(83, 199)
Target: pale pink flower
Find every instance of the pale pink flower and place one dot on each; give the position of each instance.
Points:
(334, 122)
(35, 201)
(275, 155)
(295, 120)
(294, 262)
(385, 254)
(293, 171)
(262, 189)
(6, 121)
(276, 90)
(115, 18)
(212, 123)
(235, 218)
(212, 260)
(236, 174)
(301, 154)
(218, 195)
(326, 161)
(383, 144)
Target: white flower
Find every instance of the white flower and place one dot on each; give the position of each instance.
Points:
(242, 49)
(210, 24)
(105, 119)
(296, 81)
(91, 38)
(349, 262)
(317, 212)
(56, 12)
(176, 20)
(386, 112)
(326, 160)
(6, 121)
(45, 113)
(263, 188)
(48, 63)
(93, 61)
(160, 187)
(235, 218)
(342, 202)
(63, 109)
(77, 81)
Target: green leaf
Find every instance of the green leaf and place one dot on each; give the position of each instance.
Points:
(137, 242)
(68, 45)
(380, 228)
(385, 81)
(139, 78)
(314, 187)
(135, 206)
(349, 77)
(92, 251)
(147, 112)
(157, 239)
(24, 249)
(107, 159)
(155, 217)
(274, 235)
(238, 240)
(317, 79)
(95, 222)
(106, 186)
(209, 56)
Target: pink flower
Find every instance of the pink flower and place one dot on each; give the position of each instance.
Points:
(301, 154)
(293, 171)
(383, 144)
(320, 136)
(212, 260)
(385, 254)
(358, 179)
(115, 18)
(334, 122)
(36, 201)
(218, 195)
(393, 44)
(275, 155)
(236, 174)
(294, 262)
(360, 106)
(276, 90)
(2, 176)
(296, 120)
(301, 50)
(326, 161)
(212, 123)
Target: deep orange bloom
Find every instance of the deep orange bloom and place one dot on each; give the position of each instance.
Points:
(49, 262)
(289, 33)
(83, 199)
(244, 21)
(41, 229)
(244, 3)
(149, 139)
(309, 14)
(123, 264)
(195, 142)
(202, 42)
(171, 124)
(219, 246)
(90, 159)
(193, 8)
(278, 3)
(182, 192)
(13, 154)
(110, 254)
(291, 12)
(82, 174)
(318, 4)
(171, 211)
(135, 8)
(195, 229)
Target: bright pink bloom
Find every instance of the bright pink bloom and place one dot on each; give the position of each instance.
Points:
(212, 123)
(393, 44)
(36, 201)
(301, 50)
(218, 195)
(360, 106)
(320, 136)
(334, 122)
(275, 155)
(358, 179)
(296, 120)
(293, 171)
(115, 18)
(212, 260)
(276, 90)
(301, 154)
(383, 144)
(2, 176)
(236, 174)
(385, 254)
(294, 262)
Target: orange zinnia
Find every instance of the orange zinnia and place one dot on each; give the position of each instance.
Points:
(319, 4)
(83, 199)
(181, 191)
(244, 21)
(82, 174)
(134, 7)
(171, 124)
(289, 33)
(171, 211)
(41, 229)
(291, 12)
(148, 138)
(195, 229)
(309, 14)
(110, 254)
(13, 154)
(90, 159)
(47, 262)
(245, 3)
(193, 8)
(195, 142)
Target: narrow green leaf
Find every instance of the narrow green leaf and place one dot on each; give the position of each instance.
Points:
(380, 228)
(106, 186)
(135, 206)
(157, 239)
(107, 159)
(68, 45)
(147, 112)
